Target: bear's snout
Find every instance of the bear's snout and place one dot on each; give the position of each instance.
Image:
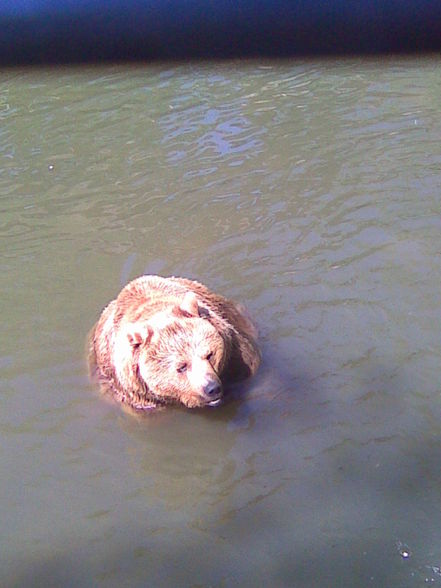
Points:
(213, 393)
(212, 390)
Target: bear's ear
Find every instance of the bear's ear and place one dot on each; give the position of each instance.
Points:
(189, 305)
(138, 334)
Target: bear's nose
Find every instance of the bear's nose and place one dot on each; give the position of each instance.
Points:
(212, 389)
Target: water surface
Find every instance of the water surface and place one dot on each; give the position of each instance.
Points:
(311, 192)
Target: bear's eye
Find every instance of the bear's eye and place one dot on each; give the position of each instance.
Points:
(181, 369)
(209, 356)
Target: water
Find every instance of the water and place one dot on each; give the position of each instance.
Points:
(309, 191)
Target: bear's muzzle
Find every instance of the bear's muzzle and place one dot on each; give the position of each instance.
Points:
(213, 392)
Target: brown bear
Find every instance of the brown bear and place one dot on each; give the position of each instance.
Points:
(171, 340)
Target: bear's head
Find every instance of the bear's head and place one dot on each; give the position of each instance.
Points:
(177, 356)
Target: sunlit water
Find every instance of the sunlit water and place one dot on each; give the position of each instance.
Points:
(309, 191)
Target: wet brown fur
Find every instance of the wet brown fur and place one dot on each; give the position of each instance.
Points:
(157, 325)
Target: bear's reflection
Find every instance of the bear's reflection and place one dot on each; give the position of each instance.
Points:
(182, 457)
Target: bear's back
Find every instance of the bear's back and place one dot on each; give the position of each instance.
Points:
(147, 295)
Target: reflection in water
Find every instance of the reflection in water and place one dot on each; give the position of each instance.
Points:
(311, 192)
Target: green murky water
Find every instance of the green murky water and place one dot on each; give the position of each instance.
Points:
(311, 192)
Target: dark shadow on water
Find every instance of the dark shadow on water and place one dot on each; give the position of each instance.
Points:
(220, 558)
